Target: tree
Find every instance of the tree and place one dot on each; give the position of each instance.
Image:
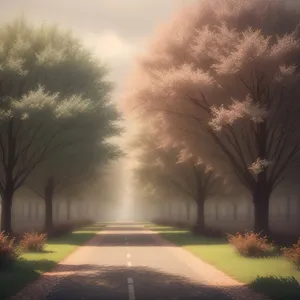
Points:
(222, 80)
(51, 90)
(161, 172)
(73, 169)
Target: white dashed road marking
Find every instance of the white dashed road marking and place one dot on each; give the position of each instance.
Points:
(129, 264)
(130, 280)
(131, 294)
(128, 255)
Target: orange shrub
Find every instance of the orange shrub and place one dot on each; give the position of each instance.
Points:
(293, 254)
(8, 252)
(34, 241)
(251, 244)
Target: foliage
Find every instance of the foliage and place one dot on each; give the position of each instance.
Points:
(293, 254)
(33, 241)
(43, 102)
(9, 252)
(251, 244)
(221, 80)
(46, 114)
(160, 174)
(277, 287)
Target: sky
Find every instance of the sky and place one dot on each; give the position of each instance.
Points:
(115, 30)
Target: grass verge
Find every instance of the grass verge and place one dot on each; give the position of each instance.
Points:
(275, 277)
(32, 265)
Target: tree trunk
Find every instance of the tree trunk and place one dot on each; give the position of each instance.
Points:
(29, 211)
(7, 198)
(170, 211)
(200, 224)
(48, 197)
(217, 211)
(235, 212)
(262, 191)
(188, 211)
(36, 211)
(68, 210)
(261, 199)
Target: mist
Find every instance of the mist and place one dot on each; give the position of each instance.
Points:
(114, 193)
(149, 149)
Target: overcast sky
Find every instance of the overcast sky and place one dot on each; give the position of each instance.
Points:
(114, 29)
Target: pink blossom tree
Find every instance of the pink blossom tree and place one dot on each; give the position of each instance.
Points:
(161, 174)
(221, 81)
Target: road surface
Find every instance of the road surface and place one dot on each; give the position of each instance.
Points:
(129, 262)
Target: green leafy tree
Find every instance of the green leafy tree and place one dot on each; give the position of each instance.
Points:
(71, 172)
(52, 91)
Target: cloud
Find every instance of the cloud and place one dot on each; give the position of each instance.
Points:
(113, 29)
(109, 46)
(116, 52)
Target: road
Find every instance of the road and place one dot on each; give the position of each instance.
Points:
(129, 262)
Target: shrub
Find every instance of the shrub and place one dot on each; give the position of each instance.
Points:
(34, 242)
(293, 254)
(8, 251)
(251, 244)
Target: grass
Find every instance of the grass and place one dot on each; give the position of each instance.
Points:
(32, 265)
(275, 276)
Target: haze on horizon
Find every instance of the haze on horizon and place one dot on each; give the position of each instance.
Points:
(114, 30)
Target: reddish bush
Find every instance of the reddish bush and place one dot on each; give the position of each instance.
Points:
(34, 242)
(8, 251)
(293, 254)
(251, 244)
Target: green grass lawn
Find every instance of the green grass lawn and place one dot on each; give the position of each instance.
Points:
(275, 277)
(32, 265)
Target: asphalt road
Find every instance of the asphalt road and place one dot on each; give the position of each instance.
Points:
(128, 262)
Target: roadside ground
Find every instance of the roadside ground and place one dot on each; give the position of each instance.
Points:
(32, 265)
(275, 277)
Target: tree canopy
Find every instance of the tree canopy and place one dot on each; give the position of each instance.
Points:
(221, 80)
(161, 174)
(53, 95)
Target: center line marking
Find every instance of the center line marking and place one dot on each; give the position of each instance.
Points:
(129, 264)
(130, 280)
(128, 255)
(131, 294)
